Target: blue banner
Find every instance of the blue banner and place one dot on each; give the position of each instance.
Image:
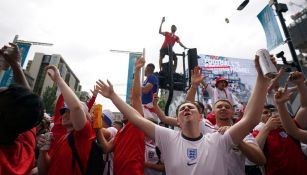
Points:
(270, 27)
(132, 58)
(7, 78)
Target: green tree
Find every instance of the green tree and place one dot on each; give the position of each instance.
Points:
(162, 100)
(49, 98)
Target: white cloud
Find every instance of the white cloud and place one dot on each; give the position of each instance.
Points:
(83, 32)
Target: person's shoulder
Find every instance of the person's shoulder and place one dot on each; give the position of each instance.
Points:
(152, 77)
(27, 137)
(112, 130)
(164, 130)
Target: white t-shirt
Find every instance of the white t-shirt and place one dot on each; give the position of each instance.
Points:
(110, 156)
(237, 159)
(259, 126)
(148, 111)
(206, 127)
(216, 94)
(204, 156)
(151, 157)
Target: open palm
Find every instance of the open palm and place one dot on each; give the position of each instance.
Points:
(197, 76)
(282, 95)
(104, 89)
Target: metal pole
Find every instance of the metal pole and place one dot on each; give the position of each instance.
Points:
(170, 80)
(287, 35)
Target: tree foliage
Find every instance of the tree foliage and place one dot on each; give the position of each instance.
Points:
(49, 98)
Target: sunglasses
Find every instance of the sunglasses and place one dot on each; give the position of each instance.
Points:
(63, 111)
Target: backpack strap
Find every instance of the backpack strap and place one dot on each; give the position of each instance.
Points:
(158, 154)
(75, 156)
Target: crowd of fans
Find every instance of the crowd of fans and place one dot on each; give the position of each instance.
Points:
(264, 140)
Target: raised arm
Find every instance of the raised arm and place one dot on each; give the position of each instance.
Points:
(136, 101)
(196, 79)
(76, 109)
(252, 152)
(289, 125)
(160, 28)
(165, 119)
(301, 116)
(91, 102)
(131, 114)
(253, 109)
(12, 55)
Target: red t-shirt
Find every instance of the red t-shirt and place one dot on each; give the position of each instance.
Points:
(211, 118)
(129, 151)
(58, 129)
(61, 156)
(284, 155)
(170, 39)
(18, 158)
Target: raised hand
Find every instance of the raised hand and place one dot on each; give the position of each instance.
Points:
(44, 141)
(53, 73)
(282, 95)
(273, 123)
(11, 54)
(139, 62)
(296, 77)
(95, 91)
(273, 59)
(197, 76)
(163, 19)
(104, 89)
(274, 84)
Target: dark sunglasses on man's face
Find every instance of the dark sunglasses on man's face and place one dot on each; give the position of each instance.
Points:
(63, 111)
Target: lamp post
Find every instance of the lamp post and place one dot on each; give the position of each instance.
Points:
(280, 8)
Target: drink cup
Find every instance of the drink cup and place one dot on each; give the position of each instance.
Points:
(268, 68)
(48, 138)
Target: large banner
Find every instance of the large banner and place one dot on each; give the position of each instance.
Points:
(270, 27)
(7, 78)
(132, 58)
(240, 74)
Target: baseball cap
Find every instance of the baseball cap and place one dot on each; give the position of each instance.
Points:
(108, 117)
(66, 108)
(220, 79)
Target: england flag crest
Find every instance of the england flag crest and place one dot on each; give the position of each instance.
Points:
(192, 153)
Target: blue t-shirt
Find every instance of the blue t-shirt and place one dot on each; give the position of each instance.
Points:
(147, 98)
